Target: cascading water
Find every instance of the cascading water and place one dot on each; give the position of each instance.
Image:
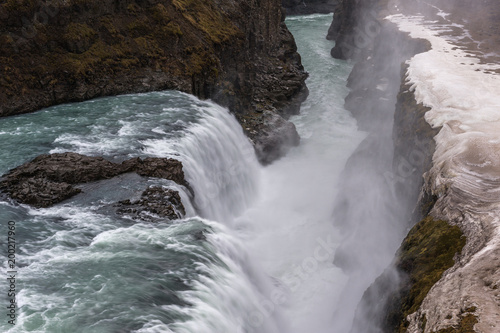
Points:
(83, 269)
(255, 251)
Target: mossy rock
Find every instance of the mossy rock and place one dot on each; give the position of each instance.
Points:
(206, 17)
(79, 37)
(425, 254)
(160, 14)
(466, 324)
(21, 6)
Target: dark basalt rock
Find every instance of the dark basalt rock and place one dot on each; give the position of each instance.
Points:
(155, 202)
(166, 168)
(50, 179)
(277, 136)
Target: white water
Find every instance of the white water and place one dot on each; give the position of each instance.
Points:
(280, 276)
(463, 94)
(289, 230)
(280, 250)
(219, 160)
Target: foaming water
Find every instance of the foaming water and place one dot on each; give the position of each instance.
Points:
(289, 230)
(462, 93)
(83, 268)
(220, 163)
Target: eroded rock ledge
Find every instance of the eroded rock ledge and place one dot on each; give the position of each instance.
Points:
(240, 54)
(50, 179)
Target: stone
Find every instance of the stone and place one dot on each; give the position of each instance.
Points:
(50, 179)
(155, 203)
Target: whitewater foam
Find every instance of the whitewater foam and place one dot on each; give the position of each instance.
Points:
(464, 99)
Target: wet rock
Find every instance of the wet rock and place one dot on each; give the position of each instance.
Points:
(425, 254)
(155, 202)
(200, 235)
(50, 179)
(166, 168)
(276, 137)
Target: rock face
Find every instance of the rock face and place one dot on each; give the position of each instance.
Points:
(50, 179)
(446, 277)
(304, 7)
(351, 28)
(240, 54)
(399, 150)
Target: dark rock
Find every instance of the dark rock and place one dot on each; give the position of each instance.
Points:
(200, 235)
(425, 254)
(277, 136)
(166, 168)
(155, 202)
(354, 25)
(49, 179)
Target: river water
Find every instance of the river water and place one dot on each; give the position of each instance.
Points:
(264, 262)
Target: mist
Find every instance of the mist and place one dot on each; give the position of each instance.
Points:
(380, 186)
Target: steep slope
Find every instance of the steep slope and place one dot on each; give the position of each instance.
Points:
(240, 54)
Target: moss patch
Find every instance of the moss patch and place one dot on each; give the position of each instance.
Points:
(205, 16)
(79, 37)
(23, 6)
(426, 253)
(466, 324)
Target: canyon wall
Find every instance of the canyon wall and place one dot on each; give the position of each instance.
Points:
(240, 54)
(430, 286)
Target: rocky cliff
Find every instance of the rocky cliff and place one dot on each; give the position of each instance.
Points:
(446, 273)
(240, 54)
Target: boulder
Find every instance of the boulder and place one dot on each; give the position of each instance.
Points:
(155, 202)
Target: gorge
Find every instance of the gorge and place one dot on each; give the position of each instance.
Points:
(163, 212)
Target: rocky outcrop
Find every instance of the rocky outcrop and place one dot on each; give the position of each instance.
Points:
(50, 179)
(240, 54)
(354, 26)
(429, 249)
(304, 7)
(155, 203)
